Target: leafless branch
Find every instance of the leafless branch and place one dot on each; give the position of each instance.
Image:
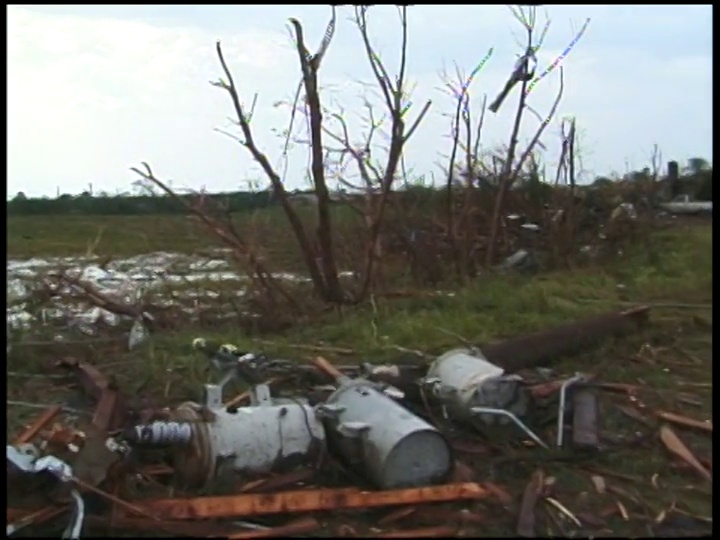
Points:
(542, 127)
(277, 185)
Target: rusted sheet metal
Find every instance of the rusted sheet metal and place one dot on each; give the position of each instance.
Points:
(43, 420)
(94, 460)
(92, 380)
(111, 411)
(547, 346)
(585, 421)
(308, 501)
(303, 525)
(111, 408)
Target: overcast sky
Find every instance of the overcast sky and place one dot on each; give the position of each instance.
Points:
(94, 90)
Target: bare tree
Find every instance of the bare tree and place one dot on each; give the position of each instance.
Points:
(466, 137)
(378, 179)
(523, 74)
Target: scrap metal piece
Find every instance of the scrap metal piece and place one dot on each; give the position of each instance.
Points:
(25, 457)
(513, 418)
(585, 427)
(374, 434)
(308, 501)
(111, 409)
(464, 380)
(91, 378)
(230, 361)
(95, 459)
(577, 378)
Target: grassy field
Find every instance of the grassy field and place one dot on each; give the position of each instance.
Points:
(123, 236)
(671, 361)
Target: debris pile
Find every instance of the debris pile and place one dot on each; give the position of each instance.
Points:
(308, 448)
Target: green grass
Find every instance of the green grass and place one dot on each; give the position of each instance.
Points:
(123, 236)
(678, 271)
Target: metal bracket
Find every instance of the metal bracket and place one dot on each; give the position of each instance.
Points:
(212, 398)
(577, 378)
(353, 430)
(511, 416)
(328, 411)
(260, 396)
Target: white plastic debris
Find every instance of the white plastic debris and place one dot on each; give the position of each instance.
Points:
(138, 334)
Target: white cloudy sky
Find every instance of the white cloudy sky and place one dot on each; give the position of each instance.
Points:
(93, 90)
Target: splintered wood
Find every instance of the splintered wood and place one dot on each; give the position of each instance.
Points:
(43, 420)
(308, 501)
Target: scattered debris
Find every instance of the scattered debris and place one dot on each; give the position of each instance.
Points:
(309, 501)
(27, 459)
(683, 204)
(684, 421)
(465, 382)
(526, 520)
(585, 427)
(675, 445)
(263, 455)
(43, 420)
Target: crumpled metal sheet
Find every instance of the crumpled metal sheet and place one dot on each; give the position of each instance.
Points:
(25, 457)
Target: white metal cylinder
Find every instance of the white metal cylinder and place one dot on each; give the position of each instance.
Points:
(382, 440)
(463, 379)
(249, 440)
(261, 439)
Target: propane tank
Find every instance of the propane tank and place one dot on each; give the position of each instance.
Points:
(373, 434)
(463, 379)
(206, 440)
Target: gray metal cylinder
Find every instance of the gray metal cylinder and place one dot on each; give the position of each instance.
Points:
(462, 379)
(379, 438)
(250, 440)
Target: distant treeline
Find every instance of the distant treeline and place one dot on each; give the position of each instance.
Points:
(128, 205)
(696, 183)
